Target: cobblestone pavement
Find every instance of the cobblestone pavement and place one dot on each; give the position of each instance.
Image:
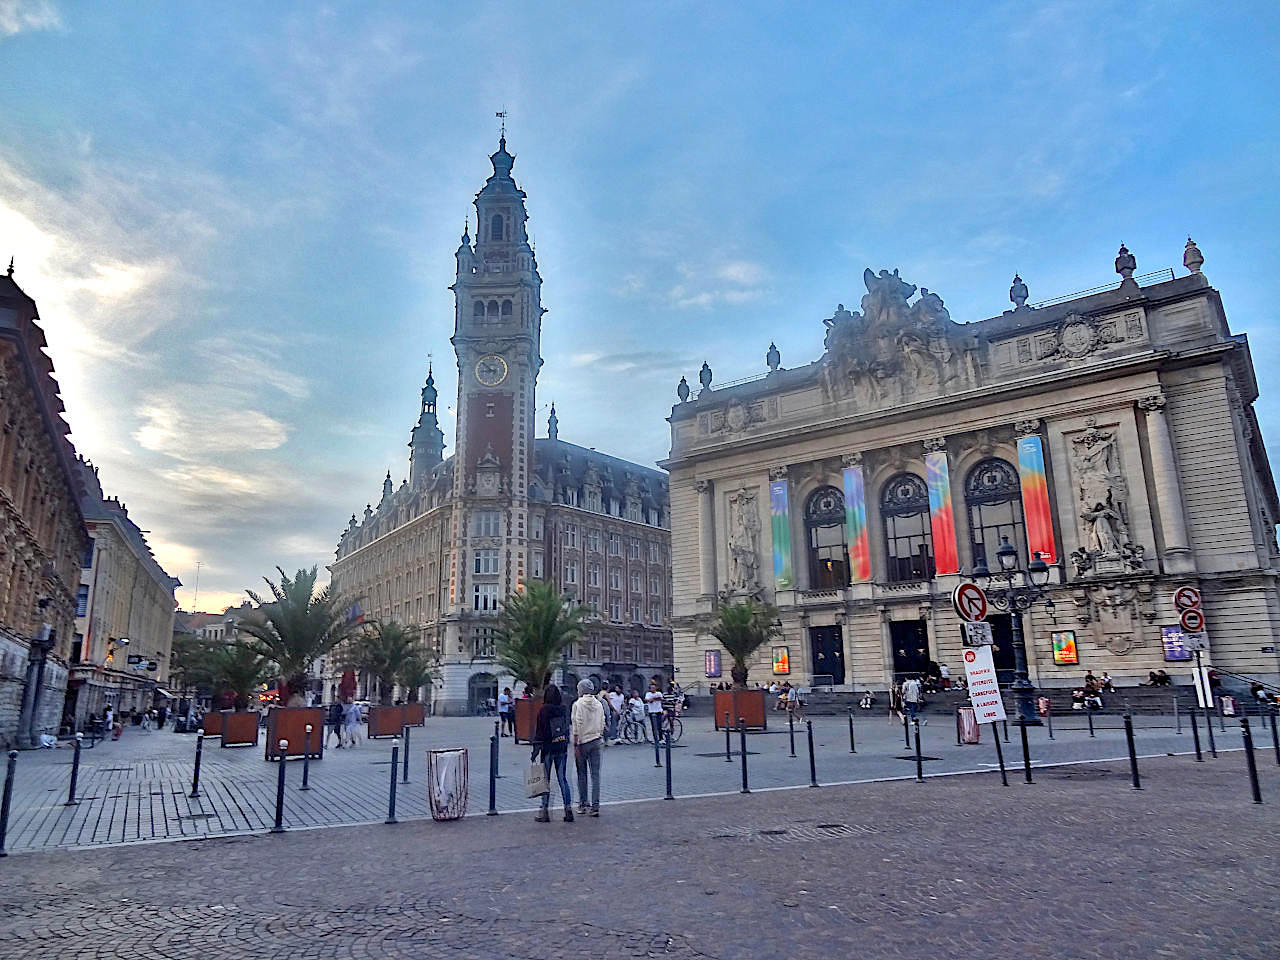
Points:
(138, 789)
(1077, 865)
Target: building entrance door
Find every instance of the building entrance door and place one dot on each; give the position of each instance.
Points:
(482, 690)
(1002, 651)
(827, 647)
(910, 639)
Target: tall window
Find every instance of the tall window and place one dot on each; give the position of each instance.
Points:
(485, 598)
(593, 574)
(571, 571)
(993, 494)
(495, 227)
(486, 523)
(486, 561)
(571, 535)
(635, 581)
(535, 564)
(82, 600)
(904, 504)
(828, 552)
(478, 309)
(593, 540)
(506, 309)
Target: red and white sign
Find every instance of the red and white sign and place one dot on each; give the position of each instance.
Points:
(970, 602)
(1186, 598)
(1192, 620)
(984, 690)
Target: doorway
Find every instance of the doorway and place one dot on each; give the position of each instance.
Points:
(1002, 650)
(482, 692)
(827, 650)
(910, 639)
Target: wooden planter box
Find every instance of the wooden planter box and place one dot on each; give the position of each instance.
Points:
(212, 723)
(415, 714)
(526, 719)
(751, 705)
(385, 722)
(290, 723)
(239, 729)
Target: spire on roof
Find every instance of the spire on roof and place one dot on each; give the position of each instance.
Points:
(553, 424)
(11, 266)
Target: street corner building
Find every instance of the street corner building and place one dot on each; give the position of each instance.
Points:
(1112, 432)
(461, 533)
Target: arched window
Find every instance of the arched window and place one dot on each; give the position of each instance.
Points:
(506, 309)
(478, 310)
(993, 494)
(828, 551)
(493, 309)
(904, 504)
(495, 227)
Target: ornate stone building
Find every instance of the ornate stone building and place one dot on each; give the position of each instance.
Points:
(124, 611)
(1112, 432)
(42, 535)
(462, 533)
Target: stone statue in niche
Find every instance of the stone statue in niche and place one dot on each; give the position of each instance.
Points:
(1103, 501)
(744, 542)
(895, 351)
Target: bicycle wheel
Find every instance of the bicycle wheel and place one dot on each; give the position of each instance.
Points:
(676, 727)
(632, 731)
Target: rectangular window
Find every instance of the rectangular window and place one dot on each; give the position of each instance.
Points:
(615, 609)
(593, 500)
(535, 564)
(655, 585)
(485, 599)
(537, 526)
(633, 511)
(615, 507)
(593, 575)
(486, 523)
(653, 553)
(593, 603)
(655, 614)
(593, 648)
(82, 599)
(635, 581)
(593, 540)
(486, 561)
(571, 535)
(571, 496)
(635, 611)
(485, 642)
(86, 559)
(571, 571)
(654, 517)
(615, 545)
(615, 578)
(633, 549)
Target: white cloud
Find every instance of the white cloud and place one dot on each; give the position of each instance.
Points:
(186, 429)
(730, 282)
(17, 16)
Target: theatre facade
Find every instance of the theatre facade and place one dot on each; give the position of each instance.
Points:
(1112, 433)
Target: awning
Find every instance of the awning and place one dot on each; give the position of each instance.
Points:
(165, 693)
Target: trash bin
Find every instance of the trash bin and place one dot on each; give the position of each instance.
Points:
(967, 728)
(448, 781)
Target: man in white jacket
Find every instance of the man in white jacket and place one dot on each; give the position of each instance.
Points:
(587, 736)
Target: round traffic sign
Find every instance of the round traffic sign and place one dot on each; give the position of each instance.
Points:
(970, 656)
(1192, 620)
(1186, 598)
(970, 602)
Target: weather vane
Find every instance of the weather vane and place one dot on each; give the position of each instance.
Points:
(502, 115)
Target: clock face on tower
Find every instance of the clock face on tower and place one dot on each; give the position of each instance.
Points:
(491, 369)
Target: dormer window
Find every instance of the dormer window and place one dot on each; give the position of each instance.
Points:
(495, 227)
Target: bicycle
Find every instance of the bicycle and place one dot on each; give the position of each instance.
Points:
(631, 730)
(673, 727)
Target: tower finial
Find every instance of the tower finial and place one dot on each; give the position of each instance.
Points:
(502, 115)
(11, 266)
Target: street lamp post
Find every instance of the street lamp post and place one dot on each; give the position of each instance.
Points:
(1016, 598)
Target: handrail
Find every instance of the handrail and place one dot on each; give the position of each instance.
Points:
(1241, 676)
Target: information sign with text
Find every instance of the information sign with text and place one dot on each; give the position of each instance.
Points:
(984, 690)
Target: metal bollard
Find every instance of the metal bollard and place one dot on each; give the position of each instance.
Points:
(1004, 777)
(1133, 753)
(497, 732)
(493, 776)
(1177, 717)
(728, 749)
(906, 732)
(8, 800)
(919, 760)
(1026, 753)
(1208, 725)
(853, 747)
(1249, 759)
(742, 735)
(1006, 731)
(306, 759)
(395, 763)
(791, 729)
(1275, 737)
(1048, 719)
(75, 773)
(657, 745)
(668, 796)
(1089, 713)
(1195, 734)
(405, 731)
(195, 777)
(813, 766)
(284, 761)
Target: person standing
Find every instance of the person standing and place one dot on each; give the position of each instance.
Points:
(911, 696)
(616, 702)
(653, 707)
(551, 743)
(335, 723)
(350, 723)
(588, 725)
(505, 705)
(109, 723)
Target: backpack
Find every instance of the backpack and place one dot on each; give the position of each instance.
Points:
(558, 728)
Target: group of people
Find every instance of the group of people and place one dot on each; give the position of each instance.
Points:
(650, 707)
(1089, 697)
(789, 699)
(343, 720)
(111, 723)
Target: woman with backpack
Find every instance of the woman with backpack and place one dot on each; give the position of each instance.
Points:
(551, 742)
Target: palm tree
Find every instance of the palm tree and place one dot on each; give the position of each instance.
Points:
(416, 674)
(238, 670)
(742, 629)
(383, 650)
(534, 627)
(299, 624)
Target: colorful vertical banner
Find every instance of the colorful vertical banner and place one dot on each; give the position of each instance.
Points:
(941, 517)
(711, 662)
(855, 524)
(781, 661)
(1035, 499)
(780, 525)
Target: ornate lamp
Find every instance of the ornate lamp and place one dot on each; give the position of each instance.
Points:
(1007, 556)
(981, 575)
(1038, 570)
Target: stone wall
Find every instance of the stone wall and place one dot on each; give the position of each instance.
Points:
(14, 654)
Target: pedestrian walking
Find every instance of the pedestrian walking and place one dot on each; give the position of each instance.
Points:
(911, 696)
(653, 707)
(613, 718)
(350, 723)
(334, 718)
(588, 725)
(506, 713)
(551, 743)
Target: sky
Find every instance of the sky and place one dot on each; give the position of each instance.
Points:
(238, 220)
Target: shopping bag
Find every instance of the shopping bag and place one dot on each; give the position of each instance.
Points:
(535, 780)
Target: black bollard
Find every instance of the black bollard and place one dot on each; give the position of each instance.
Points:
(405, 731)
(195, 777)
(728, 749)
(1249, 759)
(493, 776)
(1006, 731)
(657, 745)
(813, 764)
(853, 747)
(742, 735)
(8, 800)
(1195, 734)
(1089, 713)
(1208, 725)
(1004, 777)
(75, 773)
(906, 732)
(395, 763)
(1048, 719)
(1026, 754)
(1177, 717)
(919, 759)
(284, 760)
(497, 731)
(1133, 753)
(791, 729)
(306, 759)
(668, 742)
(1275, 737)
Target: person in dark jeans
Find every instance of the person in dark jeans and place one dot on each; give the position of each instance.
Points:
(588, 726)
(551, 742)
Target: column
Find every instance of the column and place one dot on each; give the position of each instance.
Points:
(1164, 470)
(706, 537)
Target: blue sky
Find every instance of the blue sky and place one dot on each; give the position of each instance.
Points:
(239, 219)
